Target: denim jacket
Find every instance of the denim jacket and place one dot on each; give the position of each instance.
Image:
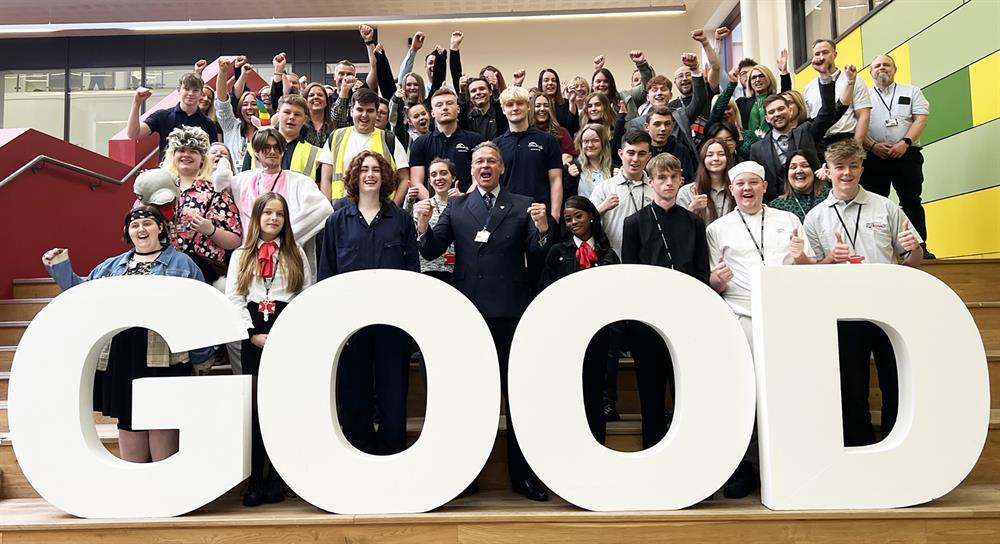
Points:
(170, 262)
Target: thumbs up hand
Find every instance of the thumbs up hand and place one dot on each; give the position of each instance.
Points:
(840, 250)
(796, 246)
(907, 239)
(721, 274)
(698, 202)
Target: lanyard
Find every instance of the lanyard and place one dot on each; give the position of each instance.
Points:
(760, 248)
(799, 204)
(857, 222)
(642, 196)
(652, 210)
(888, 106)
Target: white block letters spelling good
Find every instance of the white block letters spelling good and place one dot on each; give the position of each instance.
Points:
(943, 416)
(944, 398)
(713, 412)
(51, 391)
(298, 414)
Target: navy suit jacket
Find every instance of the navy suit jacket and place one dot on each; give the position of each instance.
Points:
(491, 274)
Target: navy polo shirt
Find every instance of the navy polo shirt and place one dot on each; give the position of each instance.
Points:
(527, 158)
(164, 121)
(350, 243)
(458, 148)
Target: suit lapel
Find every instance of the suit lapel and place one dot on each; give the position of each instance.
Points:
(477, 208)
(500, 209)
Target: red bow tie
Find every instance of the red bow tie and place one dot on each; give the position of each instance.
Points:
(266, 257)
(585, 256)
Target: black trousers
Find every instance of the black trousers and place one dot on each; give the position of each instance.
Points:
(374, 369)
(906, 176)
(857, 342)
(502, 331)
(250, 364)
(594, 362)
(616, 342)
(654, 375)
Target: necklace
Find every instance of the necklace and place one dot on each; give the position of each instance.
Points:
(155, 251)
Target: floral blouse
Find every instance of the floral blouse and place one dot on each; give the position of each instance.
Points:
(219, 207)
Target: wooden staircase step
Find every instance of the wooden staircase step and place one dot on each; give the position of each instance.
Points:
(622, 436)
(35, 288)
(975, 280)
(21, 309)
(12, 331)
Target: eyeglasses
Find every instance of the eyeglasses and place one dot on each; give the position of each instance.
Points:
(757, 76)
(270, 147)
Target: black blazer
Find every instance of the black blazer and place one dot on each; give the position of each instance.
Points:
(685, 234)
(492, 274)
(803, 136)
(561, 261)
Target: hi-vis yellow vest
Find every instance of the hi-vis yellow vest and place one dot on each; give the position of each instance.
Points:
(338, 146)
(303, 159)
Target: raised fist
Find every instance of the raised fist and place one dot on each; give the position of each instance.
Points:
(279, 61)
(637, 56)
(418, 41)
(367, 32)
(199, 66)
(141, 94)
(598, 62)
(690, 60)
(519, 77)
(698, 35)
(456, 39)
(721, 33)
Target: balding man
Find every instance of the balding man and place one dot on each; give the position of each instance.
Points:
(493, 231)
(899, 115)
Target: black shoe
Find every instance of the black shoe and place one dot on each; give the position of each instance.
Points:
(254, 494)
(743, 482)
(274, 489)
(531, 489)
(610, 414)
(927, 254)
(471, 490)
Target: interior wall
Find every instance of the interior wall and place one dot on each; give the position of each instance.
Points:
(568, 45)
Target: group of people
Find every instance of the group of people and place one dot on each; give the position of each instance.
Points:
(502, 190)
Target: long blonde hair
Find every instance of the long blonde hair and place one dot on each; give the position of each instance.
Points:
(289, 258)
(604, 158)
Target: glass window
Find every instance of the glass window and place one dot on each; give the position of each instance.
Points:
(35, 100)
(817, 14)
(99, 104)
(849, 12)
(163, 80)
(735, 49)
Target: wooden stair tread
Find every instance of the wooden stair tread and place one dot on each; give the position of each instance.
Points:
(32, 281)
(42, 300)
(491, 507)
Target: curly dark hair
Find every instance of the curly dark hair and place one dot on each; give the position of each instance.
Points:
(353, 176)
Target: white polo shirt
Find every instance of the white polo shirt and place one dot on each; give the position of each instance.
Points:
(847, 122)
(632, 197)
(869, 225)
(741, 245)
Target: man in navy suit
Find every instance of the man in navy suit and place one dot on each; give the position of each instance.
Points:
(493, 230)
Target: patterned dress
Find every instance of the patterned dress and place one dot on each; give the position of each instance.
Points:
(220, 208)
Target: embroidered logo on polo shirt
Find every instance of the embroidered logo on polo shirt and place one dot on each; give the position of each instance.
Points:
(461, 147)
(535, 147)
(879, 225)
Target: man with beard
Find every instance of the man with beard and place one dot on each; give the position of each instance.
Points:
(899, 115)
(447, 141)
(684, 83)
(854, 121)
(785, 137)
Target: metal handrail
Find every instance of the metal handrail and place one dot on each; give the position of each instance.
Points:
(35, 164)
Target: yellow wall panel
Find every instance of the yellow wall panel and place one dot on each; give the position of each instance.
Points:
(849, 49)
(965, 225)
(801, 79)
(901, 55)
(984, 77)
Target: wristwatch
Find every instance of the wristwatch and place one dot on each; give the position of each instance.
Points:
(908, 141)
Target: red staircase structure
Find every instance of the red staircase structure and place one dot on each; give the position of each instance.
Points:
(56, 194)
